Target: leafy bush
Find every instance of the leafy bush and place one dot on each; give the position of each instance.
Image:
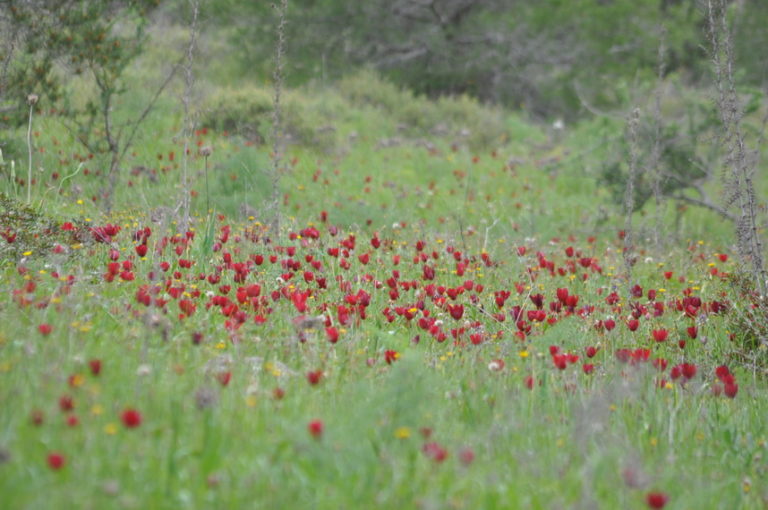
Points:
(458, 118)
(247, 112)
(675, 146)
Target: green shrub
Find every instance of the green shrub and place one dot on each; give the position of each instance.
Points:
(247, 112)
(456, 118)
(685, 158)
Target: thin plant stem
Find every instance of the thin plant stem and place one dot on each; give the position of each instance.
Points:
(29, 149)
(207, 189)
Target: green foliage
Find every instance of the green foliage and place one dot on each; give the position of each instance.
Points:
(247, 111)
(46, 42)
(537, 55)
(672, 148)
(459, 118)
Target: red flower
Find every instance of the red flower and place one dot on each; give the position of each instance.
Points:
(141, 250)
(332, 334)
(131, 418)
(224, 378)
(314, 377)
(391, 356)
(689, 370)
(591, 351)
(36, 417)
(45, 329)
(656, 499)
(633, 324)
(466, 456)
(731, 389)
(529, 381)
(660, 335)
(560, 361)
(435, 452)
(456, 311)
(315, 428)
(723, 373)
(95, 365)
(496, 365)
(588, 368)
(56, 460)
(187, 306)
(66, 403)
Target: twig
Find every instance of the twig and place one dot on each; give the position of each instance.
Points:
(147, 109)
(188, 124)
(629, 194)
(277, 119)
(31, 102)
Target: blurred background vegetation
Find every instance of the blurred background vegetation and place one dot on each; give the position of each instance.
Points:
(552, 82)
(549, 58)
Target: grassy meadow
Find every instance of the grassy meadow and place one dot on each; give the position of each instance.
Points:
(445, 319)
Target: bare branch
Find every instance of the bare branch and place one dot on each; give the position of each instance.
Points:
(137, 123)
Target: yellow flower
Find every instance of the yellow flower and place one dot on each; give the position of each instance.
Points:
(403, 433)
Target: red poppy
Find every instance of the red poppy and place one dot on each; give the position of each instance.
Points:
(332, 334)
(315, 428)
(660, 335)
(224, 378)
(529, 382)
(656, 499)
(456, 311)
(95, 366)
(45, 329)
(391, 356)
(131, 418)
(56, 460)
(314, 377)
(66, 403)
(187, 306)
(435, 452)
